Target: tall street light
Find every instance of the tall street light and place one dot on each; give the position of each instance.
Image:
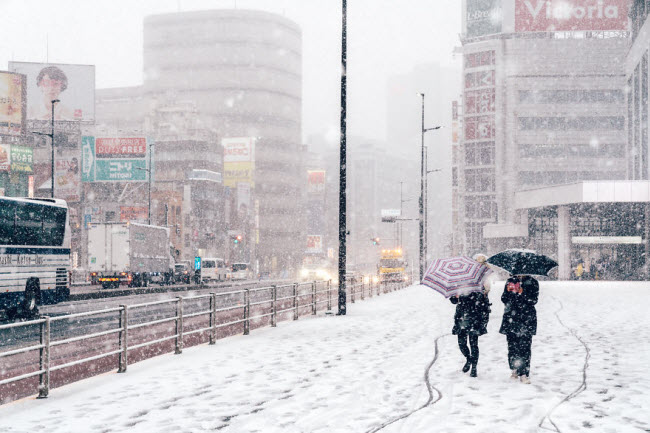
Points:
(149, 171)
(51, 135)
(342, 166)
(422, 177)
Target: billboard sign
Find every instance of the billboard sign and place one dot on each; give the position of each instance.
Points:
(134, 213)
(114, 159)
(73, 85)
(484, 17)
(22, 159)
(314, 243)
(238, 161)
(5, 157)
(13, 99)
(315, 181)
(67, 179)
(570, 15)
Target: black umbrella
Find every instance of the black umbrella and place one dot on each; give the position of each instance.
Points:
(523, 262)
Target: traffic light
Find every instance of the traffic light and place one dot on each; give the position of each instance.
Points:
(375, 241)
(237, 239)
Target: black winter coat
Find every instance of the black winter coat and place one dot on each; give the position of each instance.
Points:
(519, 314)
(472, 314)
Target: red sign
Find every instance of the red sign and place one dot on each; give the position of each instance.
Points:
(121, 147)
(314, 243)
(570, 15)
(133, 213)
(479, 101)
(479, 128)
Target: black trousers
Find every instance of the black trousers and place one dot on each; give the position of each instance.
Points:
(472, 356)
(519, 353)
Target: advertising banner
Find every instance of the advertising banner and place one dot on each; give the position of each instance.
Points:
(114, 159)
(570, 15)
(315, 181)
(479, 128)
(67, 177)
(484, 17)
(243, 199)
(73, 85)
(480, 101)
(238, 161)
(134, 214)
(5, 157)
(22, 159)
(13, 99)
(314, 243)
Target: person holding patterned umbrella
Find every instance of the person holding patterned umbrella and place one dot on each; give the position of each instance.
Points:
(470, 321)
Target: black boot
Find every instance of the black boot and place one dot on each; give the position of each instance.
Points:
(466, 366)
(473, 372)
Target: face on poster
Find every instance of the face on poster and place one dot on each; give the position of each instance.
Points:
(72, 85)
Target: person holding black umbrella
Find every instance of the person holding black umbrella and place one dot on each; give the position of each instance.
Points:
(470, 321)
(519, 323)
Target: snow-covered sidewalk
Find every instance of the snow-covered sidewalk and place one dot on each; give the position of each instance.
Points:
(359, 372)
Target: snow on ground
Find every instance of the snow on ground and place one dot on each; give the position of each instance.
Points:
(358, 372)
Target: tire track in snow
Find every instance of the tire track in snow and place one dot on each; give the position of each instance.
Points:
(430, 389)
(580, 388)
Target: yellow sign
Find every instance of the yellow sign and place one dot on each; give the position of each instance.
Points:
(238, 172)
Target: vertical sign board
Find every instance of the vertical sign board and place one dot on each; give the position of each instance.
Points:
(484, 17)
(571, 15)
(197, 263)
(13, 100)
(115, 159)
(67, 185)
(22, 159)
(238, 161)
(5, 158)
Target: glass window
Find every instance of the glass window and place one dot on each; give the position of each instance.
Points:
(7, 217)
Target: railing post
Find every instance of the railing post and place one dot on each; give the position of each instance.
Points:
(329, 295)
(313, 298)
(179, 326)
(44, 363)
(295, 301)
(247, 311)
(213, 318)
(124, 333)
(274, 308)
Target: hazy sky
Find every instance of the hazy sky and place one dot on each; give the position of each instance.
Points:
(386, 37)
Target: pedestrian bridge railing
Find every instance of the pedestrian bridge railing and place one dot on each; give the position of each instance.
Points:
(63, 349)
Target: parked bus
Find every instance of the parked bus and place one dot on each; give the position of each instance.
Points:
(214, 270)
(34, 254)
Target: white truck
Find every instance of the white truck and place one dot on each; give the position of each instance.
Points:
(128, 254)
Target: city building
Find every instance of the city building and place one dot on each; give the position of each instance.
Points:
(238, 73)
(544, 106)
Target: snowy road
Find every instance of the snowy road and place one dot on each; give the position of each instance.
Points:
(356, 373)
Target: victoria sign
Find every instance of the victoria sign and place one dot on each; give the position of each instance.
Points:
(570, 15)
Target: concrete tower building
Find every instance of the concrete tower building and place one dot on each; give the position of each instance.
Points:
(243, 70)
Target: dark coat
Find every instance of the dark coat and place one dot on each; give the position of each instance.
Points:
(472, 314)
(519, 314)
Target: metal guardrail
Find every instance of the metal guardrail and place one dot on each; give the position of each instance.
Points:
(299, 292)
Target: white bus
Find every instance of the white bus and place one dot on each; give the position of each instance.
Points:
(34, 254)
(213, 269)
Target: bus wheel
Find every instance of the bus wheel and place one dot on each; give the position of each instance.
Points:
(32, 298)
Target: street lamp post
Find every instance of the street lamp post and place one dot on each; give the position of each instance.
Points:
(149, 171)
(342, 167)
(422, 198)
(51, 135)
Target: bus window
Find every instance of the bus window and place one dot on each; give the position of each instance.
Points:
(209, 264)
(29, 225)
(7, 222)
(53, 225)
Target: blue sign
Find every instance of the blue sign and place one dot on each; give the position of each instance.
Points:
(87, 220)
(197, 263)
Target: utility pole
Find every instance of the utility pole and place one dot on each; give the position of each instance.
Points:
(422, 196)
(342, 167)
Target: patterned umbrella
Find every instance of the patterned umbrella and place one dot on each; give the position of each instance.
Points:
(456, 276)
